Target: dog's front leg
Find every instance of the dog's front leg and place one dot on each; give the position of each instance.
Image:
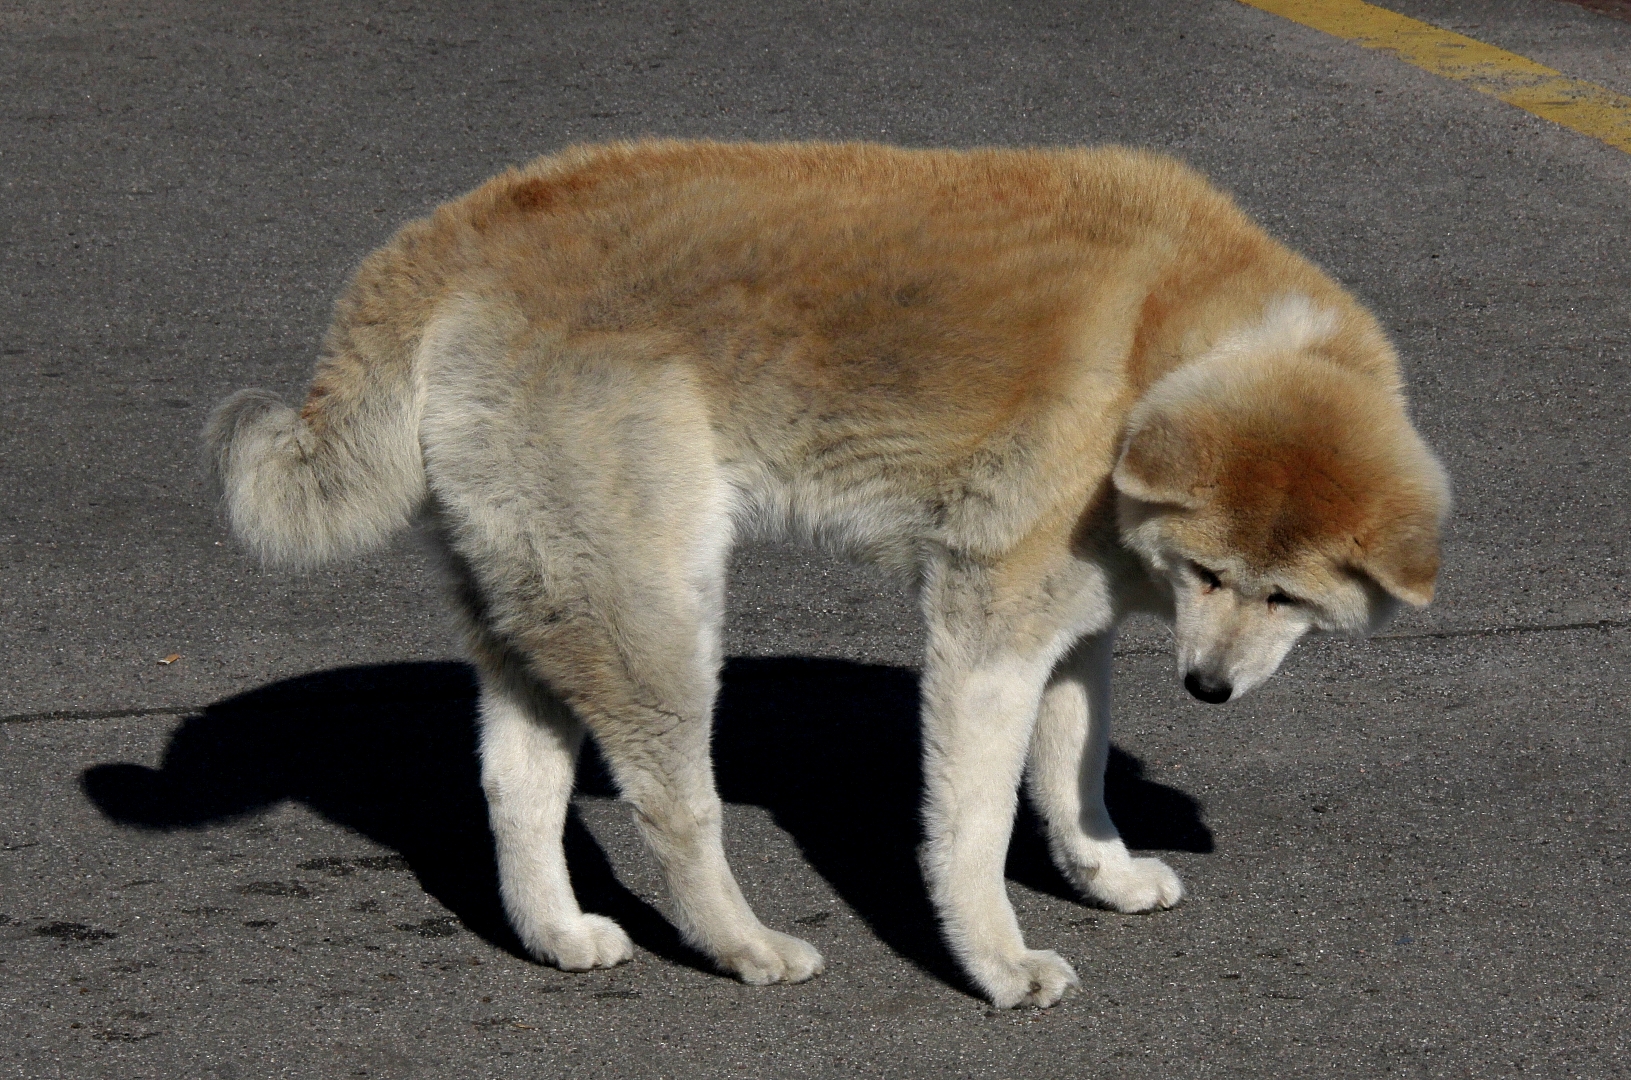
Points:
(978, 711)
(1069, 749)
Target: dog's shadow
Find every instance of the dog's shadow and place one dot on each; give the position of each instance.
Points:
(828, 747)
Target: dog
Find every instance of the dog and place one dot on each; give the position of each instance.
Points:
(1047, 387)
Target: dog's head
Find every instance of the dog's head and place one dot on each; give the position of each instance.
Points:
(1275, 492)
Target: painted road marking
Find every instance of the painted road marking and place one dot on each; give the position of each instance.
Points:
(1582, 106)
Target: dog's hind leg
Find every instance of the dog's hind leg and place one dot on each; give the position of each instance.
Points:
(647, 693)
(588, 525)
(641, 670)
(1069, 749)
(658, 750)
(529, 749)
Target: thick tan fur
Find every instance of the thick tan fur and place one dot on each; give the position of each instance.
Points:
(1050, 386)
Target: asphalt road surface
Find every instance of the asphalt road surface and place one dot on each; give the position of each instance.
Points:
(1405, 857)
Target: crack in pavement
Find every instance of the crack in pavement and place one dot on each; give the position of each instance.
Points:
(1425, 635)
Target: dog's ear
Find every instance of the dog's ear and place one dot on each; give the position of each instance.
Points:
(1404, 560)
(1401, 554)
(1160, 464)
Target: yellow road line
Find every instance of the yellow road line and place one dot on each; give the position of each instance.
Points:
(1585, 107)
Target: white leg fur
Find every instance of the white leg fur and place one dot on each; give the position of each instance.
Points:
(1069, 749)
(529, 747)
(977, 723)
(657, 744)
(669, 778)
(624, 628)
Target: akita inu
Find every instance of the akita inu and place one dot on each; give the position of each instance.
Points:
(1049, 387)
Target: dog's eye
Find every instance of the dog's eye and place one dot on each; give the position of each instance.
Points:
(1208, 579)
(1277, 598)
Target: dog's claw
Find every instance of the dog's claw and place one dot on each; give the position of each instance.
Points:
(774, 958)
(589, 942)
(1139, 884)
(1036, 978)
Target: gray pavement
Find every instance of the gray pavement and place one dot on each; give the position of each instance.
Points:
(1405, 857)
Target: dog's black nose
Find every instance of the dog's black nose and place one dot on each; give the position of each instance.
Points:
(1211, 690)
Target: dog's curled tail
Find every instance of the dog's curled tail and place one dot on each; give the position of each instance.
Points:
(343, 473)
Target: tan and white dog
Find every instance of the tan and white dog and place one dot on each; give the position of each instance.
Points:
(1049, 387)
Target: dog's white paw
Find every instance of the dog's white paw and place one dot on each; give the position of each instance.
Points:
(1140, 884)
(770, 957)
(1034, 977)
(583, 944)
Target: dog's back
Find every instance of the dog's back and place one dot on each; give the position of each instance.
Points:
(886, 343)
